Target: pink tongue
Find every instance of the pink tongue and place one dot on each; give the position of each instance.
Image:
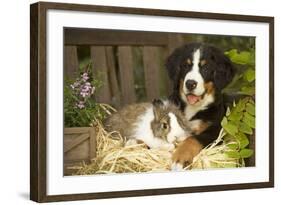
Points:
(192, 99)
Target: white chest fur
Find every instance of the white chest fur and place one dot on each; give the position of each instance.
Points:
(191, 110)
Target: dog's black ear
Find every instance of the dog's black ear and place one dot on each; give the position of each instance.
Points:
(224, 72)
(173, 63)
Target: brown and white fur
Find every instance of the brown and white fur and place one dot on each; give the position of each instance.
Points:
(158, 124)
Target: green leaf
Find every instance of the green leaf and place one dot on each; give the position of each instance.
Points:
(249, 75)
(249, 120)
(240, 106)
(250, 108)
(233, 154)
(224, 121)
(235, 116)
(227, 111)
(248, 90)
(230, 128)
(233, 146)
(243, 58)
(246, 153)
(245, 128)
(242, 139)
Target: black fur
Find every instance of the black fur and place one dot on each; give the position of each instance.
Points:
(219, 70)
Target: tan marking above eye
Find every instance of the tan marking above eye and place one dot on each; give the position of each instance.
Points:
(203, 62)
(188, 61)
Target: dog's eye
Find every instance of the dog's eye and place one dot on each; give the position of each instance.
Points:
(204, 69)
(186, 65)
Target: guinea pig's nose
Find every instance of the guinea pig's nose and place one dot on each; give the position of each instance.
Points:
(191, 84)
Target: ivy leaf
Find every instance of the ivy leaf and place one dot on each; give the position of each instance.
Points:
(250, 108)
(249, 120)
(246, 153)
(230, 128)
(243, 127)
(249, 75)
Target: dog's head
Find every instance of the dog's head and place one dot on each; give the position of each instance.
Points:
(198, 72)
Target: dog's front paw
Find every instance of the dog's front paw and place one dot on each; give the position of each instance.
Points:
(176, 167)
(168, 147)
(185, 153)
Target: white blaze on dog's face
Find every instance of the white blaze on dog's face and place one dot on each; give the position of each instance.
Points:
(194, 76)
(194, 85)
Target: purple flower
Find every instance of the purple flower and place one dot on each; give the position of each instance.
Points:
(84, 94)
(85, 77)
(75, 85)
(80, 104)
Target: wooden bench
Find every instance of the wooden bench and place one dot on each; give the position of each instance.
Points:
(111, 53)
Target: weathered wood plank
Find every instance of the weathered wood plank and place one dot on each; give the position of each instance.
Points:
(151, 63)
(75, 142)
(175, 41)
(71, 64)
(113, 80)
(126, 75)
(84, 36)
(93, 145)
(76, 130)
(98, 56)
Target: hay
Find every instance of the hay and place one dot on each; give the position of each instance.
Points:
(214, 156)
(113, 157)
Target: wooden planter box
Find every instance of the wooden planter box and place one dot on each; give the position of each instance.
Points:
(79, 146)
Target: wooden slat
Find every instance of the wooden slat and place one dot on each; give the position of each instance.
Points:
(125, 60)
(151, 65)
(98, 56)
(112, 37)
(93, 146)
(76, 142)
(71, 64)
(175, 41)
(114, 87)
(76, 130)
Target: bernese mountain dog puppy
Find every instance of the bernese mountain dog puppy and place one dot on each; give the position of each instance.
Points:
(199, 73)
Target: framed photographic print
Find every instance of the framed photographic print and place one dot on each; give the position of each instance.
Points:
(133, 102)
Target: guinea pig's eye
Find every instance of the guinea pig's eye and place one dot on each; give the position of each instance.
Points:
(164, 125)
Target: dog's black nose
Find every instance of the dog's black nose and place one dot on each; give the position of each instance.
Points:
(191, 84)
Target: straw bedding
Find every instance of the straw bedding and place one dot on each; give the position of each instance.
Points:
(113, 157)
